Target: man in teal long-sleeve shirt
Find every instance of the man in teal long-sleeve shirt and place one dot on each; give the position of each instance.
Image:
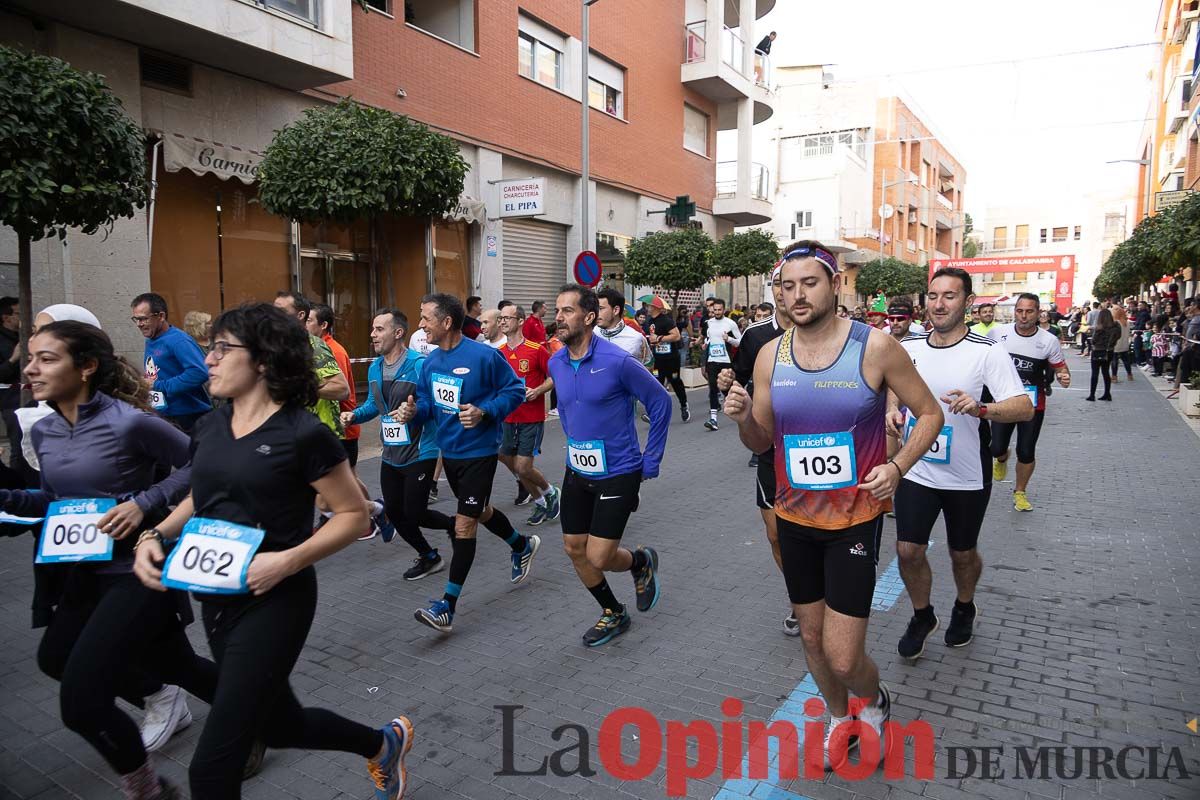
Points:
(469, 389)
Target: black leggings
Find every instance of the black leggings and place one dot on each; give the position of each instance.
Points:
(1100, 366)
(1119, 356)
(712, 371)
(256, 641)
(112, 637)
(668, 372)
(406, 502)
(1027, 436)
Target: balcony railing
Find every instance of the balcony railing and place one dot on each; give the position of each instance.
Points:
(727, 183)
(733, 49)
(306, 10)
(762, 70)
(945, 202)
(694, 41)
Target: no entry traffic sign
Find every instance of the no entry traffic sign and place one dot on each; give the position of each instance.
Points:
(587, 269)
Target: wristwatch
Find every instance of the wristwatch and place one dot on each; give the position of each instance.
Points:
(983, 410)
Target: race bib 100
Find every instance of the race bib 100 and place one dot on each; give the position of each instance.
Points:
(821, 461)
(394, 434)
(447, 391)
(212, 557)
(939, 451)
(71, 533)
(587, 458)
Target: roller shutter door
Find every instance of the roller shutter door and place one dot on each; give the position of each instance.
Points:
(535, 261)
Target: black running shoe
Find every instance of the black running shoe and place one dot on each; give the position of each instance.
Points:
(258, 752)
(912, 643)
(753, 461)
(610, 625)
(685, 413)
(522, 495)
(424, 566)
(645, 581)
(711, 424)
(962, 626)
(433, 494)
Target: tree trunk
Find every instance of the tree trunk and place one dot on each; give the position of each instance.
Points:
(25, 297)
(748, 301)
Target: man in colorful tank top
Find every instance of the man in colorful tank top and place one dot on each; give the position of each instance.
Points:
(820, 398)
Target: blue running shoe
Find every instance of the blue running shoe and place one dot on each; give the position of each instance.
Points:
(645, 581)
(386, 529)
(554, 503)
(522, 562)
(539, 515)
(438, 616)
(388, 770)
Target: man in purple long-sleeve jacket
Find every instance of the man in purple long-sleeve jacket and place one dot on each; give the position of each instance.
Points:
(597, 385)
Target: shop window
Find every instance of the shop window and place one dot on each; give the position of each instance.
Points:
(452, 258)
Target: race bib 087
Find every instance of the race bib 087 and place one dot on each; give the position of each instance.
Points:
(212, 557)
(394, 434)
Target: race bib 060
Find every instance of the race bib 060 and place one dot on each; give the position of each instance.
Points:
(71, 534)
(587, 458)
(939, 451)
(447, 391)
(158, 400)
(820, 461)
(212, 557)
(394, 433)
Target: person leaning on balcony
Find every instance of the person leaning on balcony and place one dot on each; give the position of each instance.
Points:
(763, 48)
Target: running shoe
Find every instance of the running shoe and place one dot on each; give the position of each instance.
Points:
(878, 714)
(912, 643)
(423, 566)
(791, 626)
(388, 771)
(552, 412)
(999, 470)
(712, 424)
(645, 581)
(838, 759)
(523, 495)
(167, 713)
(610, 625)
(685, 413)
(258, 752)
(522, 562)
(539, 515)
(372, 531)
(433, 493)
(962, 626)
(554, 503)
(753, 461)
(387, 531)
(438, 616)
(1021, 502)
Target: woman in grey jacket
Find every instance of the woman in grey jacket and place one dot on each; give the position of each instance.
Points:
(1104, 340)
(98, 452)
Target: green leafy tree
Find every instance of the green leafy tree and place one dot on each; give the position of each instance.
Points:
(891, 276)
(70, 157)
(675, 261)
(970, 247)
(741, 255)
(348, 161)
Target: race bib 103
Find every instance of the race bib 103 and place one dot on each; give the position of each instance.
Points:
(820, 461)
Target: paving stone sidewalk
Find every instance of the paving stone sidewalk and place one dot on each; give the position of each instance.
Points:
(1088, 635)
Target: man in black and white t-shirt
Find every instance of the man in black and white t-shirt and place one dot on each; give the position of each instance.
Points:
(718, 334)
(954, 477)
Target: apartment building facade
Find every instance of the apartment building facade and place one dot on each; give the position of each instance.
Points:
(212, 82)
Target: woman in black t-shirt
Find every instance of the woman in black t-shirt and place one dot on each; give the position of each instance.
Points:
(243, 542)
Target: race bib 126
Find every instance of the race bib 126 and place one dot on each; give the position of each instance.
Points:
(212, 557)
(158, 400)
(820, 461)
(71, 534)
(587, 458)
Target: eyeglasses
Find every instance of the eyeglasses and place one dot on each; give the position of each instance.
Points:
(140, 320)
(506, 319)
(221, 349)
(898, 318)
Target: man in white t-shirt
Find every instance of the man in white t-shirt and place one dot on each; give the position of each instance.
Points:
(489, 325)
(610, 323)
(420, 343)
(717, 335)
(954, 477)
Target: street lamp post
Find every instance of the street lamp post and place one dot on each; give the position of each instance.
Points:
(587, 242)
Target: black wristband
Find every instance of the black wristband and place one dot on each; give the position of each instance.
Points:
(892, 461)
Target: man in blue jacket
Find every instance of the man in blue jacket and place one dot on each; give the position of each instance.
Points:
(410, 452)
(597, 384)
(468, 388)
(174, 364)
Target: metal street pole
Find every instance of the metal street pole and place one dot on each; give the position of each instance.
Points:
(587, 242)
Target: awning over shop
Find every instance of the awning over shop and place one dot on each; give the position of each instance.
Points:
(201, 157)
(468, 210)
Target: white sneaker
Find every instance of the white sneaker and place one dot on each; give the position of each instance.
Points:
(877, 715)
(851, 744)
(167, 713)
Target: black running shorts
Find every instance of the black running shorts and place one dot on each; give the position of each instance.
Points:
(471, 481)
(599, 506)
(1027, 437)
(835, 566)
(764, 481)
(918, 506)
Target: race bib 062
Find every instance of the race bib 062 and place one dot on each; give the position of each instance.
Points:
(821, 461)
(212, 557)
(71, 534)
